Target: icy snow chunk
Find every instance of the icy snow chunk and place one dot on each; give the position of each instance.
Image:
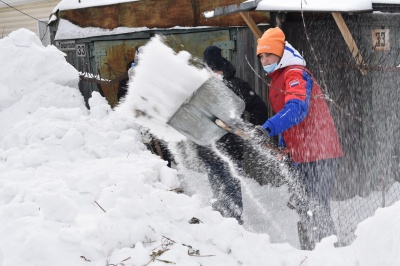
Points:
(15, 210)
(57, 207)
(140, 254)
(73, 235)
(92, 183)
(73, 139)
(99, 108)
(35, 157)
(225, 233)
(168, 177)
(117, 231)
(24, 38)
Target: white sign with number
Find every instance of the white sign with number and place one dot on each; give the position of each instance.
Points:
(80, 50)
(381, 40)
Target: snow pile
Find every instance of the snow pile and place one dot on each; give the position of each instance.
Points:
(78, 187)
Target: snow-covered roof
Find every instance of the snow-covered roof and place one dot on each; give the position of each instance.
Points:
(315, 5)
(394, 2)
(319, 5)
(69, 31)
(299, 5)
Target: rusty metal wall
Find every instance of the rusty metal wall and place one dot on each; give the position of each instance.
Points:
(107, 56)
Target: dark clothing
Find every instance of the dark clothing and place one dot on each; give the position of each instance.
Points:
(122, 89)
(254, 104)
(212, 57)
(314, 206)
(226, 188)
(123, 84)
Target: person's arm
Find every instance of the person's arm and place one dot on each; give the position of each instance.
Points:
(297, 100)
(253, 103)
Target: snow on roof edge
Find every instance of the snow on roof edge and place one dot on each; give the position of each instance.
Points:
(69, 31)
(316, 5)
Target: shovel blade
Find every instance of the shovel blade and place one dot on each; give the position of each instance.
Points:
(196, 117)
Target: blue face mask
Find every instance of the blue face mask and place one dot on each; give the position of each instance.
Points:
(270, 68)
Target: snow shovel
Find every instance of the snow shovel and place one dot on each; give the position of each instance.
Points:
(196, 117)
(212, 111)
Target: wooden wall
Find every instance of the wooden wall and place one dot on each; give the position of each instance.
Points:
(11, 19)
(157, 14)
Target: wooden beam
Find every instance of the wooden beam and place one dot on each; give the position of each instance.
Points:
(348, 38)
(252, 25)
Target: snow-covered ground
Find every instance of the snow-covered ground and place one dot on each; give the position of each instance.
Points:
(78, 187)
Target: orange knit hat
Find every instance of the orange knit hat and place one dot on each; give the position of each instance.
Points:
(271, 42)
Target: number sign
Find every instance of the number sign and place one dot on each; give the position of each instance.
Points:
(380, 40)
(80, 50)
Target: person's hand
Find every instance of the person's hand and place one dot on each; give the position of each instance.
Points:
(260, 135)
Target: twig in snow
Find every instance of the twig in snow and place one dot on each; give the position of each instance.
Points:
(166, 261)
(100, 206)
(157, 253)
(303, 260)
(120, 263)
(178, 190)
(83, 257)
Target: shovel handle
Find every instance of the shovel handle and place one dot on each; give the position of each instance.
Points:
(236, 131)
(248, 136)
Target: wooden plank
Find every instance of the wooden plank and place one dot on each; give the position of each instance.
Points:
(11, 19)
(348, 38)
(252, 25)
(105, 17)
(235, 8)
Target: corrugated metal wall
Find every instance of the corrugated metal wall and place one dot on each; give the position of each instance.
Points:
(247, 65)
(11, 19)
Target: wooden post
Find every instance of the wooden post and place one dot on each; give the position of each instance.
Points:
(348, 38)
(252, 25)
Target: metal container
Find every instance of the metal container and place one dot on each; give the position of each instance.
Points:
(196, 116)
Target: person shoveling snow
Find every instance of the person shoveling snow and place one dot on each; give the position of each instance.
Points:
(203, 111)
